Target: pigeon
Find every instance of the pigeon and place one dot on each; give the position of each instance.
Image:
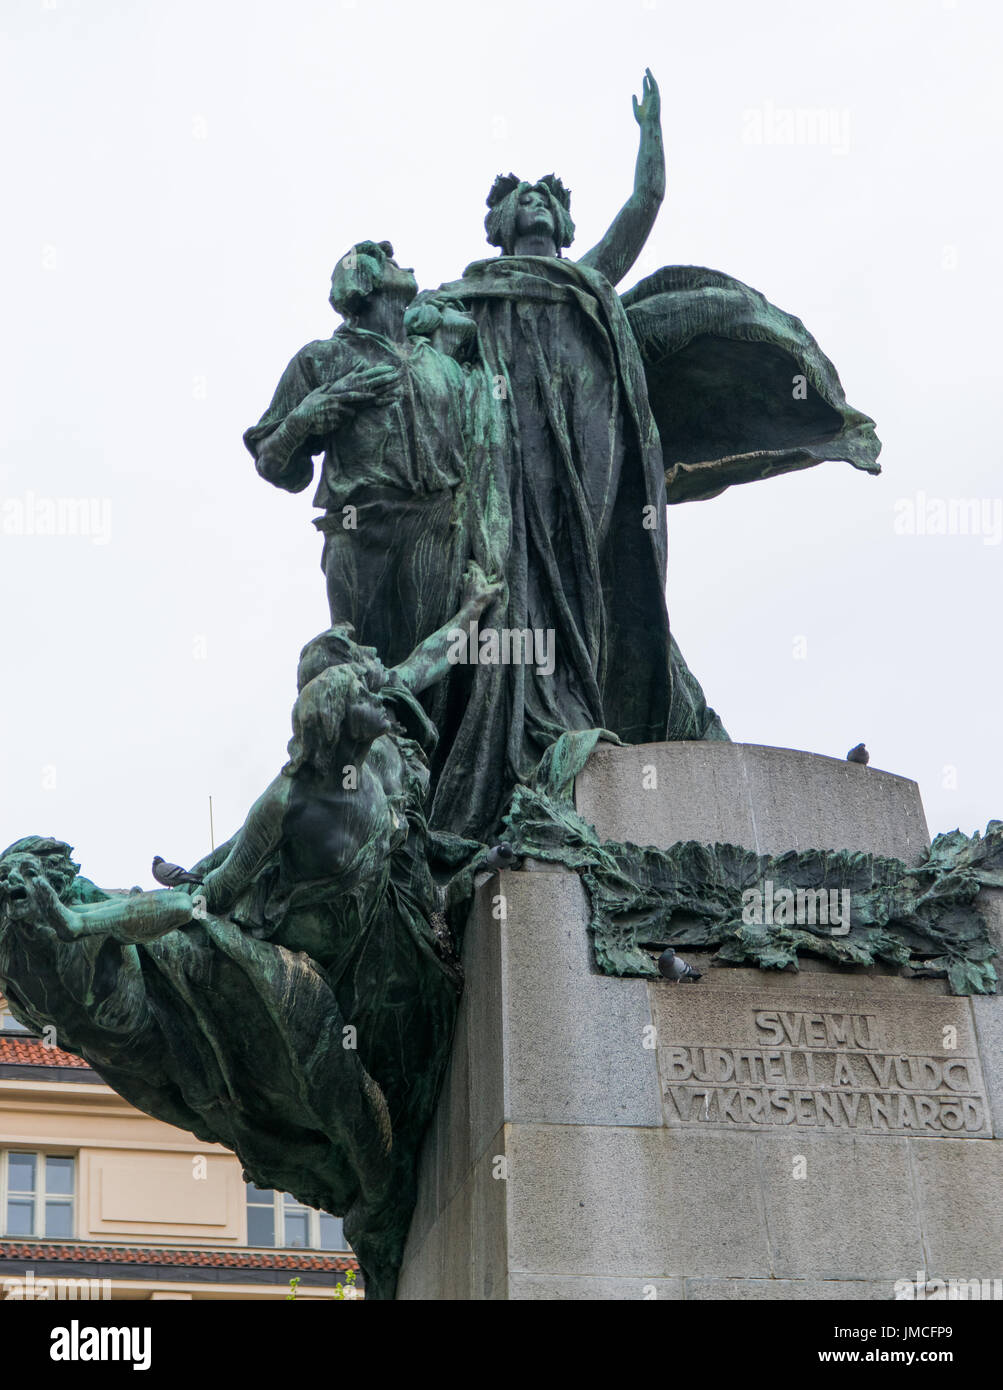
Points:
(172, 875)
(502, 856)
(858, 755)
(674, 968)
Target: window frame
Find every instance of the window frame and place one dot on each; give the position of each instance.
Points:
(10, 1026)
(41, 1195)
(278, 1206)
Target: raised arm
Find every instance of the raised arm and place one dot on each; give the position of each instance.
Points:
(620, 247)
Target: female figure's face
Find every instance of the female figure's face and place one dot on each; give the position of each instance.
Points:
(367, 719)
(533, 215)
(334, 703)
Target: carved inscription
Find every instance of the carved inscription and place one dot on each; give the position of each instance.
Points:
(824, 1069)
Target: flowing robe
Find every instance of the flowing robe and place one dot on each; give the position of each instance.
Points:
(592, 413)
(568, 502)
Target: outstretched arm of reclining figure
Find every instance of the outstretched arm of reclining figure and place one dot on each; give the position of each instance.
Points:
(130, 918)
(429, 661)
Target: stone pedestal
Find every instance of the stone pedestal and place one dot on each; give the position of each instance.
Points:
(766, 799)
(756, 1135)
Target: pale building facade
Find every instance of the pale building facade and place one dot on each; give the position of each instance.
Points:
(92, 1189)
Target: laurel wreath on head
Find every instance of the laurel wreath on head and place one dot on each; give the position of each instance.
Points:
(505, 184)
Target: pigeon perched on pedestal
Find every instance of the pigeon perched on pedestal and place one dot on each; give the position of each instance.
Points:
(172, 875)
(858, 755)
(674, 968)
(501, 856)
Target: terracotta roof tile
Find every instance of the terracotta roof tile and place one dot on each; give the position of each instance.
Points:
(312, 1260)
(34, 1053)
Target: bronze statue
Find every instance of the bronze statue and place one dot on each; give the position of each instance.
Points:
(498, 458)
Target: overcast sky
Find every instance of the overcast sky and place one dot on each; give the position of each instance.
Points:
(179, 179)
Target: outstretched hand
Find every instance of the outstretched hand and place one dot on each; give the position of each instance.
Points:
(648, 110)
(479, 588)
(46, 905)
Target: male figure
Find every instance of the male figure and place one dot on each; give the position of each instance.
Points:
(387, 411)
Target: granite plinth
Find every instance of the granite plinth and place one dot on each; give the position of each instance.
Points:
(766, 799)
(828, 1133)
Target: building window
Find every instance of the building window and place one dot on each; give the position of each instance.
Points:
(8, 1023)
(36, 1194)
(276, 1219)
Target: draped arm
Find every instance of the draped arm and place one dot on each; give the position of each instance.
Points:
(738, 388)
(282, 450)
